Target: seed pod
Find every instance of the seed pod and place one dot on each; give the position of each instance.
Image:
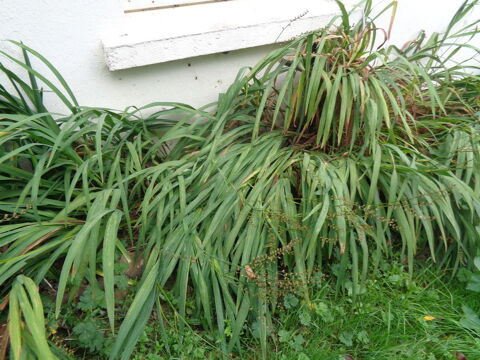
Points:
(250, 273)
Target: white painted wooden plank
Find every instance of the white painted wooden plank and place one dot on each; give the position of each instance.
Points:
(165, 35)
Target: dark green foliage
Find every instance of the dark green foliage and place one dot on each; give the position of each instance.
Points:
(328, 157)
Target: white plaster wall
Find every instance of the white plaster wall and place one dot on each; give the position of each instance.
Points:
(69, 33)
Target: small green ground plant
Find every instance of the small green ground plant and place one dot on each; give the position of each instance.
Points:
(333, 155)
(397, 318)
